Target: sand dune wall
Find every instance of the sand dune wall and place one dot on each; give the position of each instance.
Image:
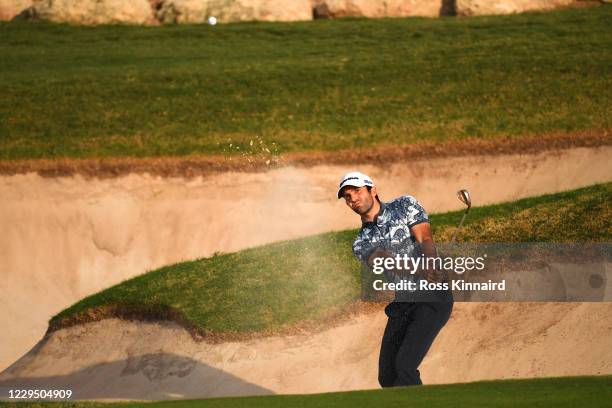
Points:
(114, 359)
(65, 238)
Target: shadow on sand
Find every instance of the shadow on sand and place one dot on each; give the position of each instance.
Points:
(144, 377)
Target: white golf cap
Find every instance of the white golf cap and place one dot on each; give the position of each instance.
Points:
(355, 179)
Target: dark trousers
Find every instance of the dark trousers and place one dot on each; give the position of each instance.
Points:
(410, 331)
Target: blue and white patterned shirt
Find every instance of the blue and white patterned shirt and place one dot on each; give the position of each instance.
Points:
(390, 231)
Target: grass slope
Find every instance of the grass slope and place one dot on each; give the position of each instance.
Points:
(267, 287)
(592, 392)
(176, 90)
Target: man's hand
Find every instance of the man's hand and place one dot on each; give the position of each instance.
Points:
(433, 276)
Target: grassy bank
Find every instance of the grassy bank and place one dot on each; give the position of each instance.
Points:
(271, 286)
(568, 392)
(113, 91)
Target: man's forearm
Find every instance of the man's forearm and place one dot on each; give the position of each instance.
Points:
(428, 271)
(428, 248)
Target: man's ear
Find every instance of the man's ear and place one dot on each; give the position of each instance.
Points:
(373, 191)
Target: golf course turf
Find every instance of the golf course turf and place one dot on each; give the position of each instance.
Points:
(305, 279)
(121, 91)
(570, 392)
(106, 97)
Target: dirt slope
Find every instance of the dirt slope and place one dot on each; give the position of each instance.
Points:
(65, 238)
(114, 359)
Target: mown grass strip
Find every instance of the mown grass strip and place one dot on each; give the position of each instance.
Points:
(271, 286)
(116, 91)
(570, 392)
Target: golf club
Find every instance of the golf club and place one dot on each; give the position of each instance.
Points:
(464, 197)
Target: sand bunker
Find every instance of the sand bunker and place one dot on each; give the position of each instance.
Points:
(115, 359)
(65, 238)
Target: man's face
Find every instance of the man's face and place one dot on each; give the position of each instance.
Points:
(359, 199)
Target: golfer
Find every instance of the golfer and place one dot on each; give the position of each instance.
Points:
(400, 226)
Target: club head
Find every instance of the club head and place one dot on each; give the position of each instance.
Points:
(464, 197)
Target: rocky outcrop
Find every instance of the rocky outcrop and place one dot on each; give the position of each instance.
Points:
(156, 11)
(11, 8)
(483, 7)
(89, 12)
(429, 8)
(198, 11)
(380, 8)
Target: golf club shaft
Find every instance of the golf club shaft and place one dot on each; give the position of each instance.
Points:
(458, 228)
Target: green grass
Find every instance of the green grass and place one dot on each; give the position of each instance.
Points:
(268, 287)
(567, 392)
(106, 91)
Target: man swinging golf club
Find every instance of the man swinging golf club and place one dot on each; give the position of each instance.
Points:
(398, 227)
